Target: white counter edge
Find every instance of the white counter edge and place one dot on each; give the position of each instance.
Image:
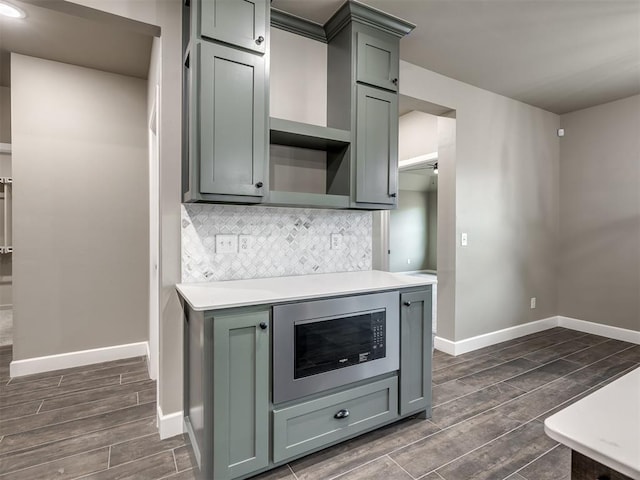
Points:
(275, 297)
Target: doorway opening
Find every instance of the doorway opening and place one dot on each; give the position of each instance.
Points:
(418, 238)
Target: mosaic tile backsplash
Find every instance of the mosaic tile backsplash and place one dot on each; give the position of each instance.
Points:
(285, 241)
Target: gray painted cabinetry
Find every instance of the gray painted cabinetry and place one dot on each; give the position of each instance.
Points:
(225, 101)
(225, 108)
(235, 428)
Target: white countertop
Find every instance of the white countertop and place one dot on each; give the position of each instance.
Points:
(605, 425)
(241, 293)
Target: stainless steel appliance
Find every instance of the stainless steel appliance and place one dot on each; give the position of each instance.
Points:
(324, 344)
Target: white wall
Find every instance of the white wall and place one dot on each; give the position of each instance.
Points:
(80, 208)
(417, 134)
(506, 199)
(408, 232)
(600, 214)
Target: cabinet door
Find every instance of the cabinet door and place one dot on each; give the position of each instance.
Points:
(376, 146)
(240, 393)
(377, 61)
(232, 126)
(415, 352)
(242, 23)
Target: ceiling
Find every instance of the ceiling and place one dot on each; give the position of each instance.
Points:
(69, 33)
(559, 55)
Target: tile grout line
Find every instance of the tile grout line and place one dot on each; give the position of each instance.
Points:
(60, 382)
(400, 467)
(477, 448)
(37, 411)
(31, 447)
(292, 472)
(57, 459)
(127, 463)
(137, 398)
(532, 461)
(78, 392)
(109, 459)
(527, 371)
(68, 420)
(175, 462)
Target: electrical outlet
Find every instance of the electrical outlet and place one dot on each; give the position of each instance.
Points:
(464, 240)
(533, 302)
(226, 244)
(336, 241)
(245, 243)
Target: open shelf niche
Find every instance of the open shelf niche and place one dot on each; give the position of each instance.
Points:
(308, 164)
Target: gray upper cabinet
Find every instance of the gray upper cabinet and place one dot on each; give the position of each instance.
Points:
(415, 352)
(377, 61)
(242, 23)
(231, 126)
(376, 146)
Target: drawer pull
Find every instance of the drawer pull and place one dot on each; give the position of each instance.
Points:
(603, 477)
(407, 303)
(344, 413)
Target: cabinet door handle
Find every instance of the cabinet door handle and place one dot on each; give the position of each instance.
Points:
(263, 325)
(393, 195)
(259, 40)
(259, 185)
(344, 413)
(394, 81)
(407, 303)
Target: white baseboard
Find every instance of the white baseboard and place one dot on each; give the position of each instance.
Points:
(487, 339)
(28, 366)
(617, 333)
(491, 338)
(170, 425)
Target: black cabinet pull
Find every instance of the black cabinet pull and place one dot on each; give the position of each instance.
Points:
(259, 40)
(407, 303)
(394, 81)
(603, 477)
(344, 413)
(393, 195)
(263, 325)
(259, 185)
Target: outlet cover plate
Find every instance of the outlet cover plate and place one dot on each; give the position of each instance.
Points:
(245, 243)
(336, 241)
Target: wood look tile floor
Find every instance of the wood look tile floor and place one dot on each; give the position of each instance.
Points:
(98, 422)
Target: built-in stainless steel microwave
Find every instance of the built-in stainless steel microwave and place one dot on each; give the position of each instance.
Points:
(324, 344)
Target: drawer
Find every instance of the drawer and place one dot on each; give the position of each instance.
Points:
(377, 61)
(300, 428)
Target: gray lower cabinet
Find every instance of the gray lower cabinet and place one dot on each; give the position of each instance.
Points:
(376, 146)
(415, 352)
(231, 126)
(309, 425)
(227, 400)
(235, 429)
(242, 23)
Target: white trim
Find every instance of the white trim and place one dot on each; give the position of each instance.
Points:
(28, 366)
(170, 425)
(617, 333)
(491, 338)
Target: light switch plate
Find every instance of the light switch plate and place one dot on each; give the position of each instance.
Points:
(226, 244)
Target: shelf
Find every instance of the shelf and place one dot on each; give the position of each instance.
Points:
(317, 200)
(304, 135)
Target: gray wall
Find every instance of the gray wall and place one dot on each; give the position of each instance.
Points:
(432, 229)
(408, 232)
(80, 208)
(599, 277)
(505, 197)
